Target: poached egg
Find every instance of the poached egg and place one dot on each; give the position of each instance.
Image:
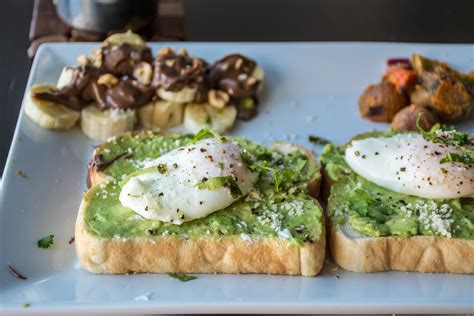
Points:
(170, 188)
(409, 164)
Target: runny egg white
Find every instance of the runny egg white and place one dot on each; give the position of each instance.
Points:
(409, 164)
(170, 193)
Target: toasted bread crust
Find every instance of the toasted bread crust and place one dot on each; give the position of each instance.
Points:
(166, 254)
(416, 253)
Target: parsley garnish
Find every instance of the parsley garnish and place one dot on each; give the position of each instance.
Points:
(466, 157)
(182, 277)
(254, 166)
(26, 305)
(435, 135)
(22, 174)
(449, 136)
(161, 168)
(46, 241)
(205, 133)
(318, 140)
(219, 182)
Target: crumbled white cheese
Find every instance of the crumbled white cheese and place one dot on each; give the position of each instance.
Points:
(294, 208)
(431, 216)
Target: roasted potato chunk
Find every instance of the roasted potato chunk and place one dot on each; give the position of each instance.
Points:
(380, 102)
(449, 92)
(405, 120)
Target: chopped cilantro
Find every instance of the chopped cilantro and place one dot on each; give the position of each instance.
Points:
(219, 182)
(182, 277)
(160, 168)
(449, 136)
(444, 135)
(466, 157)
(205, 133)
(318, 140)
(254, 166)
(46, 241)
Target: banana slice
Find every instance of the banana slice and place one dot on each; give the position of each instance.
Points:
(197, 116)
(259, 74)
(100, 125)
(65, 77)
(48, 114)
(125, 38)
(162, 114)
(184, 95)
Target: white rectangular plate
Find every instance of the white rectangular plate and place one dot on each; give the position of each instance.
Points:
(309, 89)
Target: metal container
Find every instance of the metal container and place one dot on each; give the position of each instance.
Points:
(105, 16)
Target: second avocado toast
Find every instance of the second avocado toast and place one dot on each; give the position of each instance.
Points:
(374, 228)
(277, 228)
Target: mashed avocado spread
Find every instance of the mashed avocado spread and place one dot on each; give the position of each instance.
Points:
(288, 213)
(374, 211)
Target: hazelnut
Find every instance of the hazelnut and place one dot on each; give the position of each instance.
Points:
(238, 63)
(170, 62)
(82, 60)
(107, 80)
(96, 58)
(251, 81)
(218, 98)
(165, 51)
(183, 52)
(143, 73)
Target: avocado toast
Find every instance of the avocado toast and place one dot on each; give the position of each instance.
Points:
(276, 228)
(410, 209)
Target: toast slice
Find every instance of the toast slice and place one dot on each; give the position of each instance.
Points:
(233, 252)
(356, 251)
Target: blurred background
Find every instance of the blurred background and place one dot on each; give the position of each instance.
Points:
(26, 24)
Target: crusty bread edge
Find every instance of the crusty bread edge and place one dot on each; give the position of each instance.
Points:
(200, 255)
(417, 253)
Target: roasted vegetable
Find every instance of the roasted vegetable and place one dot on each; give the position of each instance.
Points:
(401, 74)
(449, 92)
(381, 102)
(405, 120)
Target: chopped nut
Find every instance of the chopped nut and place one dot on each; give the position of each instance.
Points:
(143, 73)
(217, 98)
(135, 55)
(165, 51)
(170, 62)
(251, 81)
(82, 60)
(242, 77)
(108, 80)
(183, 52)
(96, 58)
(238, 63)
